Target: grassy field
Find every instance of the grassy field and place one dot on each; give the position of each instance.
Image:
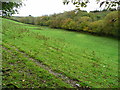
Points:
(20, 72)
(89, 60)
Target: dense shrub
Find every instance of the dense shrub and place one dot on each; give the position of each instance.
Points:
(97, 27)
(83, 23)
(111, 23)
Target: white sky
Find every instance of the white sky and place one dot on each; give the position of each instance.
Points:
(47, 7)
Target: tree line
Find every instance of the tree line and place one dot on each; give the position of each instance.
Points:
(96, 22)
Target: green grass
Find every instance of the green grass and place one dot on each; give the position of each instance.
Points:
(90, 59)
(20, 72)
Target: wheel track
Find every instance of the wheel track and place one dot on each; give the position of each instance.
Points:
(64, 78)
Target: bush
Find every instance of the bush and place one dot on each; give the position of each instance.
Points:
(69, 24)
(97, 26)
(111, 23)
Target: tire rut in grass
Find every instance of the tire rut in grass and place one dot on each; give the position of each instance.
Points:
(64, 78)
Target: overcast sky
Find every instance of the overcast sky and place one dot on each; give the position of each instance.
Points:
(47, 7)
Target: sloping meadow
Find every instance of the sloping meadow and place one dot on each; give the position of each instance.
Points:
(92, 60)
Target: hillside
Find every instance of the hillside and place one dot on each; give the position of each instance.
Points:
(37, 56)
